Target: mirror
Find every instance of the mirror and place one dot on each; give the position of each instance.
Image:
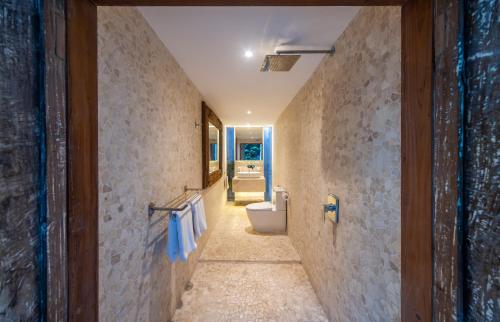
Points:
(249, 152)
(248, 144)
(248, 181)
(211, 146)
(213, 137)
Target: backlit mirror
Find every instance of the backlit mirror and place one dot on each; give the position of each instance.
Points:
(248, 182)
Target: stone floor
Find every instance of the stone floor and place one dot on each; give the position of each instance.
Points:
(234, 239)
(245, 276)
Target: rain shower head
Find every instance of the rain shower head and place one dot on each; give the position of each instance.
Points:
(278, 63)
(284, 60)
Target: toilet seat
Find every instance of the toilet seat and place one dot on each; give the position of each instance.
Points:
(260, 206)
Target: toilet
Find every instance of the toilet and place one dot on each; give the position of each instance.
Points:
(267, 217)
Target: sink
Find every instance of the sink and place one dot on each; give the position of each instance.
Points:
(248, 174)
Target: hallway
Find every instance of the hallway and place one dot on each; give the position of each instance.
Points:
(337, 133)
(245, 276)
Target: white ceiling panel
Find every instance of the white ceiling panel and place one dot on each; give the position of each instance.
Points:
(210, 44)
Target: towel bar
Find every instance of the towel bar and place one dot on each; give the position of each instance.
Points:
(178, 204)
(152, 208)
(192, 189)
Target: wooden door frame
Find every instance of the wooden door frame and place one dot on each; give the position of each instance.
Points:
(416, 147)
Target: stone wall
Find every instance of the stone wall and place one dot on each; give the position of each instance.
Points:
(149, 149)
(341, 134)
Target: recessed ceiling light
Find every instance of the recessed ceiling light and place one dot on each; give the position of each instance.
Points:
(249, 112)
(248, 53)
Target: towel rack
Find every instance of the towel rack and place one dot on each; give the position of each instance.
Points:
(186, 188)
(178, 204)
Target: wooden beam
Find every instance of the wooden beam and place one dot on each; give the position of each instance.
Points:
(55, 115)
(481, 162)
(447, 163)
(22, 179)
(416, 162)
(81, 23)
(249, 2)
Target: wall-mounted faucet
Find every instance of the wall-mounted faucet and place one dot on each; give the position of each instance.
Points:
(332, 209)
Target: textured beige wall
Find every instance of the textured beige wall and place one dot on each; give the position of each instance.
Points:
(149, 149)
(341, 134)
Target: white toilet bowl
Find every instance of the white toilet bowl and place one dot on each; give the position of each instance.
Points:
(266, 217)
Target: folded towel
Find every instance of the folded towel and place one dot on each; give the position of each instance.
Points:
(185, 233)
(199, 219)
(181, 240)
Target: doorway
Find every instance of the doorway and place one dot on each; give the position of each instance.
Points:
(416, 153)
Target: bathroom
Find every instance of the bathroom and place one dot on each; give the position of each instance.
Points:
(249, 160)
(267, 173)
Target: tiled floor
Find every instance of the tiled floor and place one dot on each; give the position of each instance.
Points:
(245, 276)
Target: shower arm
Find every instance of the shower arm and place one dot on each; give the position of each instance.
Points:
(303, 52)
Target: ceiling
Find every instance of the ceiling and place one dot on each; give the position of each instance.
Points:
(210, 44)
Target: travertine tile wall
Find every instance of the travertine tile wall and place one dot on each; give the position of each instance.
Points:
(149, 149)
(341, 134)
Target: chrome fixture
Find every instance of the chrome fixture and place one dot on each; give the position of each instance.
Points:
(178, 204)
(284, 60)
(332, 209)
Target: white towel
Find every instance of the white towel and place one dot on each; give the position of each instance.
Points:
(181, 240)
(199, 219)
(185, 233)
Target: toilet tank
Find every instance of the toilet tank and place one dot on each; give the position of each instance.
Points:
(281, 198)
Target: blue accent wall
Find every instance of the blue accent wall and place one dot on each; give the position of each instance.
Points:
(230, 161)
(268, 162)
(230, 143)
